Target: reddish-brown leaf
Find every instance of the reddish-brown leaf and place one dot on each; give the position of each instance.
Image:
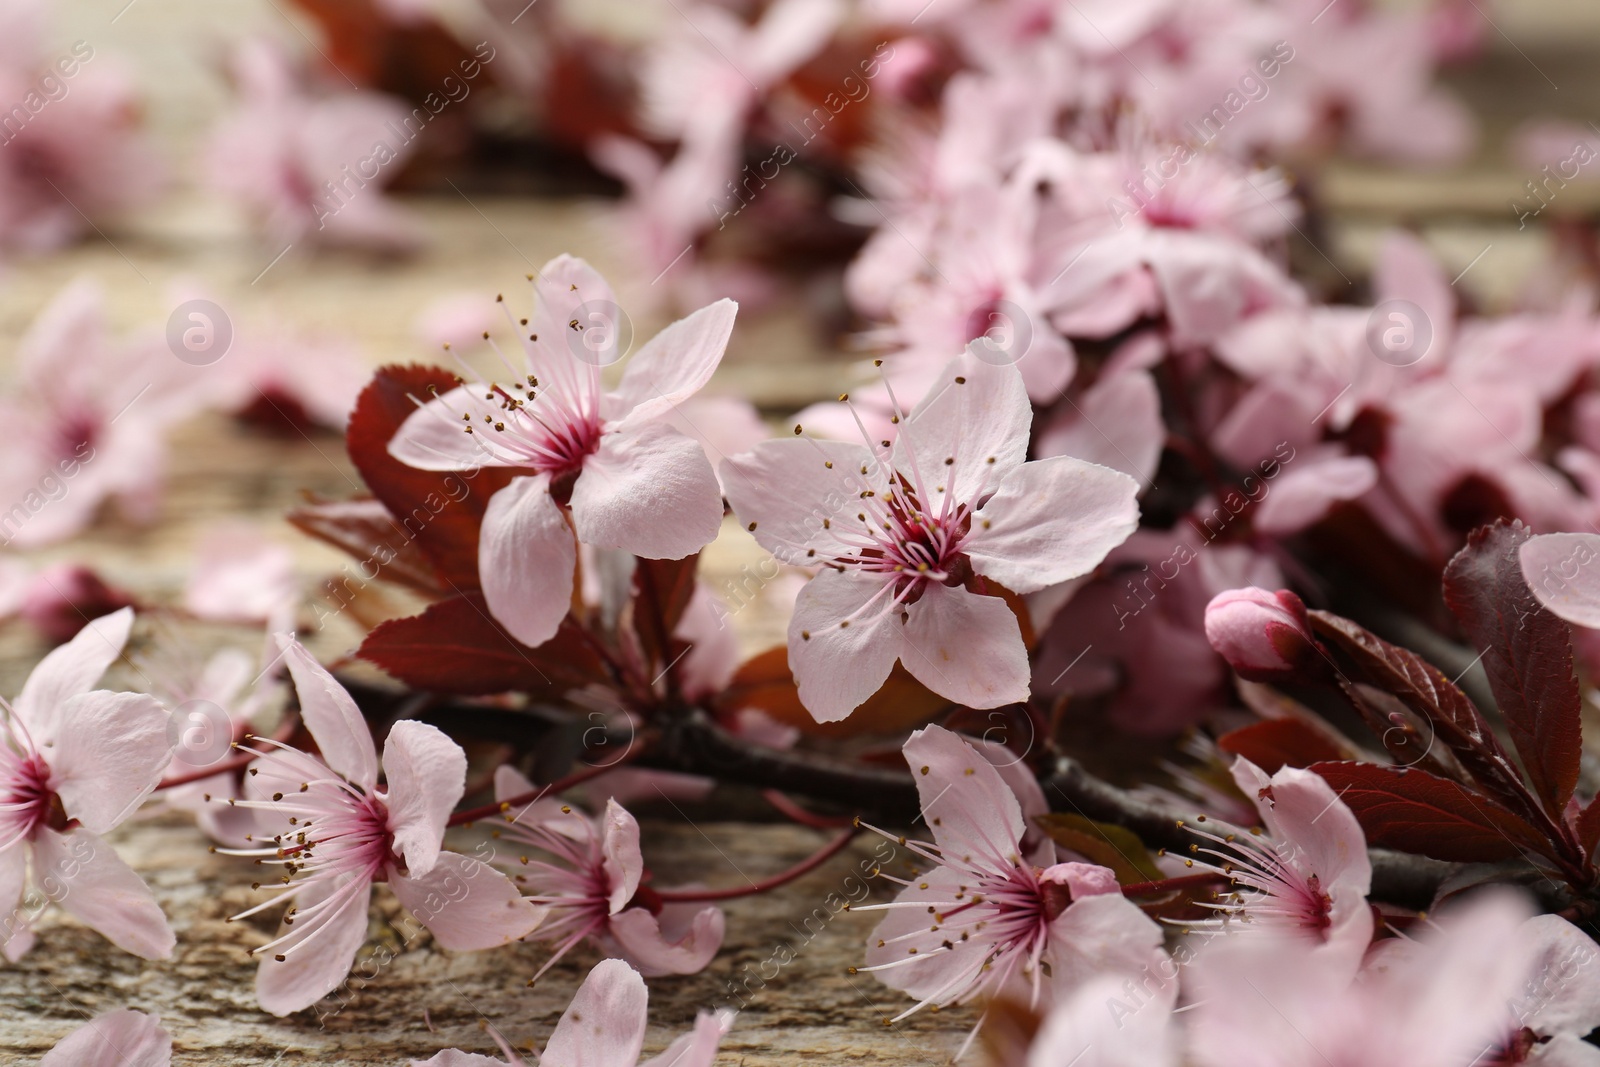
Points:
(440, 510)
(1527, 654)
(1452, 718)
(365, 529)
(1277, 743)
(456, 647)
(661, 592)
(1411, 810)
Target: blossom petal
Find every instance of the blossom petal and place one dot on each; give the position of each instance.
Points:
(605, 1022)
(126, 1038)
(69, 670)
(839, 666)
(649, 491)
(976, 414)
(452, 1057)
(964, 798)
(674, 364)
(1563, 997)
(330, 713)
(1107, 934)
(434, 437)
(103, 892)
(638, 933)
(965, 647)
(526, 560)
(1562, 571)
(697, 1048)
(624, 864)
(427, 773)
(1116, 424)
(467, 905)
(109, 755)
(784, 491)
(1305, 493)
(904, 929)
(315, 966)
(1096, 1027)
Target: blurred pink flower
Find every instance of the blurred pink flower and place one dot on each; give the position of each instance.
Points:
(604, 1026)
(335, 834)
(126, 1038)
(607, 466)
(951, 504)
(301, 164)
(1308, 876)
(1267, 1000)
(88, 417)
(1095, 1026)
(591, 885)
(239, 575)
(60, 600)
(72, 150)
(74, 763)
(1000, 925)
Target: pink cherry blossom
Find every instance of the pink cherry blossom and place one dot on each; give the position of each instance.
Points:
(310, 168)
(604, 465)
(590, 881)
(604, 1026)
(74, 763)
(1308, 875)
(88, 416)
(335, 833)
(124, 1038)
(61, 598)
(1000, 925)
(1439, 1001)
(72, 149)
(914, 540)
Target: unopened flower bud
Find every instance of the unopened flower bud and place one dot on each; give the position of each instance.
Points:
(1263, 635)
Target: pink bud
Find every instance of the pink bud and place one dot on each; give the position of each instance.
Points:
(61, 599)
(1263, 635)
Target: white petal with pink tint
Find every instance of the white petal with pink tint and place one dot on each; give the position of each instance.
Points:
(434, 437)
(466, 904)
(640, 936)
(1306, 491)
(109, 755)
(319, 963)
(840, 666)
(674, 365)
(624, 864)
(1563, 570)
(790, 485)
(965, 647)
(526, 560)
(329, 712)
(69, 670)
(1116, 424)
(649, 491)
(123, 1038)
(964, 799)
(975, 414)
(604, 1025)
(1050, 521)
(697, 1048)
(102, 891)
(426, 774)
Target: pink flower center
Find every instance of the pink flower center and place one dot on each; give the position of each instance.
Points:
(551, 431)
(26, 800)
(914, 546)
